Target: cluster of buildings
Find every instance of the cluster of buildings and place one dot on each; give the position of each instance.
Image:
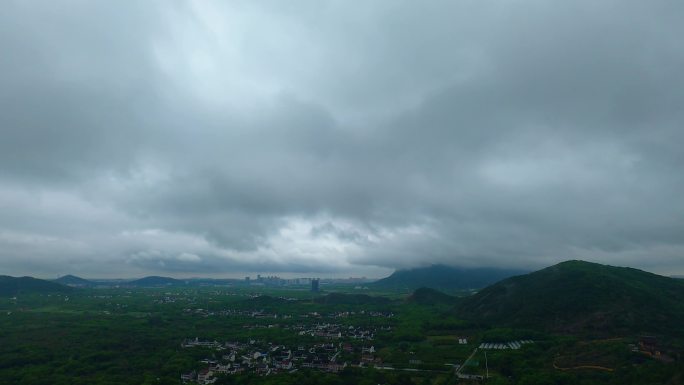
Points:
(265, 359)
(650, 346)
(252, 313)
(164, 300)
(345, 314)
(274, 280)
(190, 343)
(235, 313)
(261, 314)
(332, 331)
(506, 345)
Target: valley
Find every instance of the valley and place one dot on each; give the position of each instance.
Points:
(508, 333)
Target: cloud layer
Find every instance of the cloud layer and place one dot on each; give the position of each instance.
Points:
(213, 138)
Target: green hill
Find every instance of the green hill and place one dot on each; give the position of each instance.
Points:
(154, 281)
(581, 296)
(443, 277)
(10, 286)
(427, 296)
(72, 280)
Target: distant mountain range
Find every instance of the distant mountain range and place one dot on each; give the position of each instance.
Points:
(581, 296)
(151, 281)
(11, 286)
(155, 281)
(572, 296)
(74, 281)
(443, 277)
(436, 276)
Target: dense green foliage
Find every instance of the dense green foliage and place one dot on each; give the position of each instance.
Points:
(72, 280)
(351, 299)
(10, 286)
(137, 335)
(577, 296)
(155, 281)
(427, 296)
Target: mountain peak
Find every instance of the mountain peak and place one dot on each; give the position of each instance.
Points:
(427, 296)
(72, 280)
(580, 295)
(21, 285)
(154, 281)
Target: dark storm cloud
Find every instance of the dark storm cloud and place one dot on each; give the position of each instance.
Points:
(213, 138)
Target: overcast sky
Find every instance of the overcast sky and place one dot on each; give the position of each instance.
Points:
(339, 138)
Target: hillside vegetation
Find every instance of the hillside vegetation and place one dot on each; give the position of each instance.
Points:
(350, 299)
(427, 296)
(10, 286)
(581, 296)
(72, 280)
(154, 281)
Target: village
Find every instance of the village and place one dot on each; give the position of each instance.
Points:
(266, 358)
(338, 331)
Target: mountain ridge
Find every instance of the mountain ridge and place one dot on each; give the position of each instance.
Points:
(427, 296)
(10, 286)
(442, 277)
(577, 296)
(72, 280)
(155, 281)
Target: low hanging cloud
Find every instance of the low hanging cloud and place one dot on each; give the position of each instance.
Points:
(218, 139)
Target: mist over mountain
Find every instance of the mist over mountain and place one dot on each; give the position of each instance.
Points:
(444, 277)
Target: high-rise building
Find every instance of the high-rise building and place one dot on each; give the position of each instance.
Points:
(314, 285)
